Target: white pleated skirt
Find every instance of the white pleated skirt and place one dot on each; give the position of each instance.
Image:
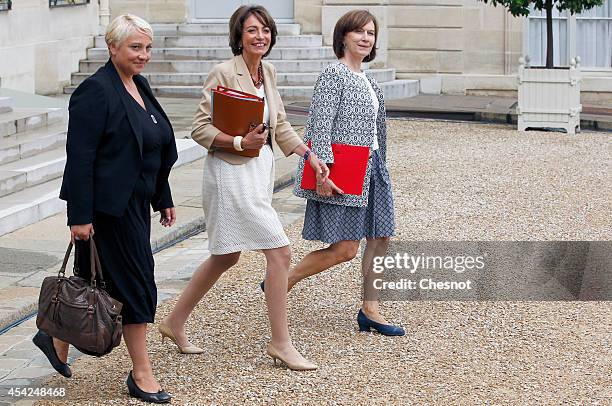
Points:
(237, 203)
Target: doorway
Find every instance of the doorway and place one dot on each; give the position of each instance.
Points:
(206, 10)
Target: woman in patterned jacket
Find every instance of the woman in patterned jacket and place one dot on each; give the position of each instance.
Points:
(348, 108)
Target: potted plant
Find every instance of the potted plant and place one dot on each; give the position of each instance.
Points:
(548, 96)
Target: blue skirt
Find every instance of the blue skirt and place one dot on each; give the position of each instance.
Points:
(331, 223)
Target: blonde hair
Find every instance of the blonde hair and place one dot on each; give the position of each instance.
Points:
(125, 25)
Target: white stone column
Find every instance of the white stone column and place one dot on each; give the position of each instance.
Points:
(104, 15)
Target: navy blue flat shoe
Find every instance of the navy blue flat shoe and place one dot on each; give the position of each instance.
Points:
(366, 324)
(263, 286)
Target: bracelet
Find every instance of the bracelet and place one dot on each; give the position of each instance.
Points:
(307, 155)
(238, 143)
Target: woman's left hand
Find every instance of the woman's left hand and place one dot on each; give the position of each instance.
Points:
(328, 188)
(167, 217)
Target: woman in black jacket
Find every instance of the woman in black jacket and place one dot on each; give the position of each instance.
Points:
(120, 150)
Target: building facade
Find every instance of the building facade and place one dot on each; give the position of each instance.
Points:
(451, 46)
(42, 41)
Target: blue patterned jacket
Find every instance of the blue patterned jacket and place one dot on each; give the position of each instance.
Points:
(342, 113)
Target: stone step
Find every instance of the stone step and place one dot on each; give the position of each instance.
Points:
(36, 203)
(6, 104)
(165, 54)
(32, 142)
(396, 89)
(214, 41)
(30, 206)
(25, 119)
(191, 66)
(197, 79)
(399, 89)
(213, 29)
(28, 172)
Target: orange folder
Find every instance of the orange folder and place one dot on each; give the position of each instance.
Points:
(236, 113)
(347, 172)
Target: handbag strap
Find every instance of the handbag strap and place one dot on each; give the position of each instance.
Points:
(94, 262)
(62, 271)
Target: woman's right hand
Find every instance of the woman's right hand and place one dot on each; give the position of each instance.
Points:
(255, 139)
(81, 232)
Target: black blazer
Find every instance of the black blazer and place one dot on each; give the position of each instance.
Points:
(104, 149)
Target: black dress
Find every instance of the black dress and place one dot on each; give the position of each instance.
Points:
(124, 242)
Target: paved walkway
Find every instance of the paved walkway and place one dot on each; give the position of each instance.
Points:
(451, 181)
(30, 254)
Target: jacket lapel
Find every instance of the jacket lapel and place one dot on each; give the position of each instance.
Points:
(246, 85)
(243, 77)
(127, 103)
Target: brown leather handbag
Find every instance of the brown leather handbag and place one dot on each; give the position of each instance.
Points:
(79, 311)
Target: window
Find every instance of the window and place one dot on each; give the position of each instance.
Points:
(5, 5)
(594, 36)
(63, 3)
(588, 35)
(537, 37)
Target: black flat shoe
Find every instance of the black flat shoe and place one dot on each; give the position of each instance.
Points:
(45, 342)
(152, 397)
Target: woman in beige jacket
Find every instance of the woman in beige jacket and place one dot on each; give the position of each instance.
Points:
(237, 190)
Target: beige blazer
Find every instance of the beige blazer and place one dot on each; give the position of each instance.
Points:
(234, 74)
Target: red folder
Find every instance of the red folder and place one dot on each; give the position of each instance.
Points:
(347, 172)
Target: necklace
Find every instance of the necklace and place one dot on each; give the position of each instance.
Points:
(260, 79)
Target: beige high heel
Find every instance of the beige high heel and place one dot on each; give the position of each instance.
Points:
(165, 331)
(306, 366)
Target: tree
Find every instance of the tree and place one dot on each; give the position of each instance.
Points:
(521, 8)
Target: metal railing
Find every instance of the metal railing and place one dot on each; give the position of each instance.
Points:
(65, 3)
(5, 5)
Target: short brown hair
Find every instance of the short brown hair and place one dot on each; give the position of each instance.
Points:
(352, 21)
(236, 26)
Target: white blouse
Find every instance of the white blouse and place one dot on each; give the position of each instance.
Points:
(375, 104)
(261, 92)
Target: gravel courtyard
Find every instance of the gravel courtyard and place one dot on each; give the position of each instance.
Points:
(452, 181)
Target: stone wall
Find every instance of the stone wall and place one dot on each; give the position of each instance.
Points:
(307, 13)
(452, 40)
(154, 11)
(455, 46)
(41, 47)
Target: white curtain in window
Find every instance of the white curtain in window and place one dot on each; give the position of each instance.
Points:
(537, 38)
(594, 36)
